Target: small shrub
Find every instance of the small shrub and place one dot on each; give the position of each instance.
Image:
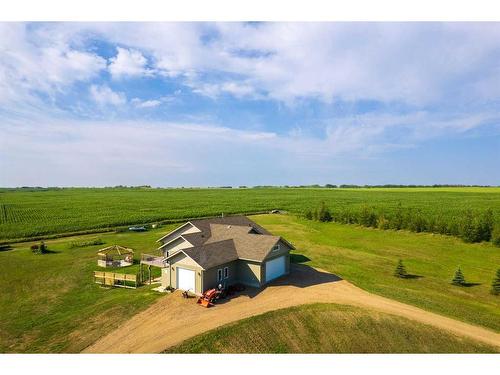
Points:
(43, 247)
(86, 243)
(495, 285)
(308, 215)
(35, 248)
(400, 270)
(459, 278)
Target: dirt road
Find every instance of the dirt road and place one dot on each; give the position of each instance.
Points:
(173, 319)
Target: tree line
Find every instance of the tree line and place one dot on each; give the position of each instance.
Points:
(471, 226)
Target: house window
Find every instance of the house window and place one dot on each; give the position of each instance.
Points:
(226, 272)
(219, 274)
(276, 247)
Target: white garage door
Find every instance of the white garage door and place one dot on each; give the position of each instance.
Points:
(275, 268)
(185, 279)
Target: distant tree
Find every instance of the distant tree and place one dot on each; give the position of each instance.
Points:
(459, 278)
(397, 220)
(324, 213)
(495, 236)
(495, 285)
(308, 214)
(468, 228)
(382, 222)
(400, 270)
(485, 226)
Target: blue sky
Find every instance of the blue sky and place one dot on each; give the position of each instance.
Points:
(209, 104)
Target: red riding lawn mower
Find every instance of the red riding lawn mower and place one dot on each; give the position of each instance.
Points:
(211, 295)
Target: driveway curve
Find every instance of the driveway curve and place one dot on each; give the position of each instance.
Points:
(173, 319)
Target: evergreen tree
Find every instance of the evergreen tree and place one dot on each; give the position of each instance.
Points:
(459, 278)
(495, 285)
(400, 270)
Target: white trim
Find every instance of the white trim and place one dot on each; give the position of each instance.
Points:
(219, 272)
(226, 273)
(182, 251)
(175, 239)
(176, 229)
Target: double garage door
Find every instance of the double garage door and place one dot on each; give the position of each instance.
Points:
(185, 279)
(275, 268)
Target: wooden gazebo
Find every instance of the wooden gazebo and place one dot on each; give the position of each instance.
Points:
(115, 256)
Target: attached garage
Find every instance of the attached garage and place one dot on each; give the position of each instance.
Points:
(186, 279)
(275, 268)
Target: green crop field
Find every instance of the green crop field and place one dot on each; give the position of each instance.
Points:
(328, 328)
(25, 214)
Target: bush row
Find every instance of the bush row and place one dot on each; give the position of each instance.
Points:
(470, 226)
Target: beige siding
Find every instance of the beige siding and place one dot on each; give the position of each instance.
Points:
(165, 277)
(249, 273)
(182, 261)
(210, 276)
(175, 246)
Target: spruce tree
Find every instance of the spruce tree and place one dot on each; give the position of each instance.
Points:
(495, 285)
(400, 270)
(459, 278)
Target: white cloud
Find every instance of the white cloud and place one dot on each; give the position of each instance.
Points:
(146, 103)
(104, 95)
(48, 65)
(128, 63)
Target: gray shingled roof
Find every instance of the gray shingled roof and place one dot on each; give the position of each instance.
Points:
(213, 254)
(225, 239)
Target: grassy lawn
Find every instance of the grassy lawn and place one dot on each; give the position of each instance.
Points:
(49, 302)
(328, 328)
(368, 257)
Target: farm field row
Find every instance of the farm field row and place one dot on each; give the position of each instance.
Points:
(25, 214)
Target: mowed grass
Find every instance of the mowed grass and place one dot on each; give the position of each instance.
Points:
(328, 328)
(368, 257)
(49, 303)
(25, 214)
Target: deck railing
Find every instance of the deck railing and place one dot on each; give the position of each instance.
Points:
(153, 260)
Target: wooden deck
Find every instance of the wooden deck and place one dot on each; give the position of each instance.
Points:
(153, 260)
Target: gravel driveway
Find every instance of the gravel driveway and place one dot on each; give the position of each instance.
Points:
(173, 319)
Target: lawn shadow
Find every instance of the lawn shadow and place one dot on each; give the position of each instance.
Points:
(410, 276)
(298, 258)
(6, 248)
(48, 251)
(468, 285)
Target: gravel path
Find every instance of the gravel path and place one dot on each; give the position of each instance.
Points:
(173, 319)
